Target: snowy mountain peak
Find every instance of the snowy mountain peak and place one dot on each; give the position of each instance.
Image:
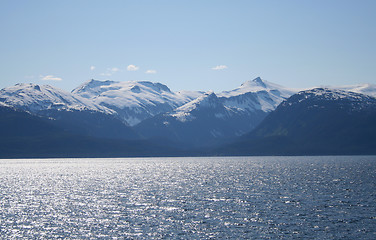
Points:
(256, 95)
(34, 98)
(258, 85)
(209, 93)
(159, 87)
(24, 86)
(257, 79)
(257, 82)
(205, 101)
(28, 86)
(88, 86)
(333, 94)
(367, 88)
(317, 97)
(94, 88)
(208, 99)
(134, 101)
(92, 83)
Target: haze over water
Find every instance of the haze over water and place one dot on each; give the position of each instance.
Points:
(189, 198)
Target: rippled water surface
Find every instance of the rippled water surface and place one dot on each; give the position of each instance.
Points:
(189, 198)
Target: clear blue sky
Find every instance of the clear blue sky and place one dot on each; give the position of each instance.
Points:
(193, 45)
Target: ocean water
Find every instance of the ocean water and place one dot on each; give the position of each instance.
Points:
(189, 198)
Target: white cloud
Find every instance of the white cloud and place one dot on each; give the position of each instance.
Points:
(105, 74)
(110, 71)
(219, 67)
(50, 78)
(114, 69)
(132, 68)
(92, 68)
(150, 71)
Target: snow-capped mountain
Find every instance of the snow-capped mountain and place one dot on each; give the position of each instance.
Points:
(134, 101)
(334, 94)
(186, 112)
(353, 101)
(251, 97)
(68, 111)
(314, 122)
(210, 118)
(35, 98)
(367, 89)
(259, 85)
(256, 95)
(105, 109)
(202, 122)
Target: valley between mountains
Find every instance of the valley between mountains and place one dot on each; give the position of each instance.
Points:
(141, 118)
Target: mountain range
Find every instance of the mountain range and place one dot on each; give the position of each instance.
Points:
(141, 118)
(212, 118)
(319, 121)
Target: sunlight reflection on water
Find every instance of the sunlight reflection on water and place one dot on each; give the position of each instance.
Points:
(242, 197)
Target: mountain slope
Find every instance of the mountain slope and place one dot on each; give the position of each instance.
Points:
(15, 124)
(200, 123)
(367, 89)
(256, 94)
(69, 112)
(318, 121)
(134, 101)
(35, 98)
(24, 135)
(210, 119)
(91, 123)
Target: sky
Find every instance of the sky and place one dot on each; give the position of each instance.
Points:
(188, 45)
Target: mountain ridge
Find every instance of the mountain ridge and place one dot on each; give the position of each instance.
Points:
(314, 122)
(216, 118)
(33, 97)
(189, 121)
(134, 101)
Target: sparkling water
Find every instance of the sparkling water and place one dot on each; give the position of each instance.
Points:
(189, 198)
